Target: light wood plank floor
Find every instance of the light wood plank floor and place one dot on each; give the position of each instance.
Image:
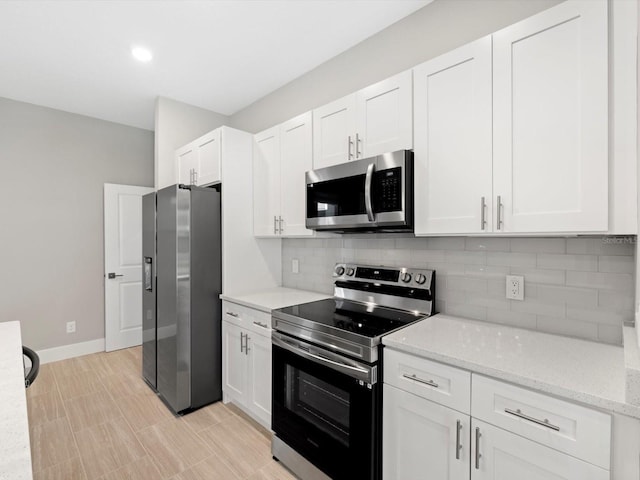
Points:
(93, 417)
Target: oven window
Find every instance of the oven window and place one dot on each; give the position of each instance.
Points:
(318, 402)
(333, 198)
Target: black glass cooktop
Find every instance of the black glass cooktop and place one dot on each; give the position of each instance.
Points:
(365, 320)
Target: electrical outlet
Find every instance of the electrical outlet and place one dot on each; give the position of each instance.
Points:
(71, 327)
(295, 266)
(515, 287)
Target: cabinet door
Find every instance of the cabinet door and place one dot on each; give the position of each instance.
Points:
(384, 116)
(334, 132)
(420, 439)
(260, 377)
(506, 456)
(234, 364)
(187, 162)
(452, 130)
(551, 120)
(209, 152)
(266, 183)
(295, 160)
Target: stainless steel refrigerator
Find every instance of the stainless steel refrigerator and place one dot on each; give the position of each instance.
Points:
(182, 282)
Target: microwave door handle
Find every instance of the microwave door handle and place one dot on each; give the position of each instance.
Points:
(367, 192)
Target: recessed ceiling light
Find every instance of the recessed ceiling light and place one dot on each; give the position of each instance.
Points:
(142, 54)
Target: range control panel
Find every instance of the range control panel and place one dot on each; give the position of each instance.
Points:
(406, 277)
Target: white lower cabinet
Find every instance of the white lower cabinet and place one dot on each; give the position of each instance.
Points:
(500, 455)
(422, 439)
(246, 360)
(528, 437)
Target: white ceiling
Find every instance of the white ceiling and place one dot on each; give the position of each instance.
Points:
(219, 55)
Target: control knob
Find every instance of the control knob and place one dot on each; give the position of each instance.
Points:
(405, 277)
(350, 272)
(420, 279)
(339, 270)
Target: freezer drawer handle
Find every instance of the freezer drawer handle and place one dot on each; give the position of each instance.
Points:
(431, 383)
(545, 423)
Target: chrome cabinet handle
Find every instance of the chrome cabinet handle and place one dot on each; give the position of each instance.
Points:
(367, 191)
(233, 314)
(545, 423)
(483, 220)
(246, 344)
(195, 176)
(241, 344)
(191, 176)
(280, 220)
(275, 225)
(349, 144)
(478, 455)
(499, 212)
(458, 445)
(260, 324)
(431, 383)
(358, 140)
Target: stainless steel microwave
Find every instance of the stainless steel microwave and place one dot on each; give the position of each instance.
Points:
(372, 194)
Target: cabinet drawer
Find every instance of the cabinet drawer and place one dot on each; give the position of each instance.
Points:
(246, 317)
(578, 431)
(440, 383)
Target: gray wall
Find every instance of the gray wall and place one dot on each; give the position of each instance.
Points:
(177, 124)
(435, 29)
(53, 168)
(581, 287)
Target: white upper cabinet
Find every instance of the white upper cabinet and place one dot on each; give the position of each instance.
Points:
(282, 155)
(453, 152)
(512, 130)
(198, 163)
(384, 117)
(266, 182)
(374, 120)
(551, 120)
(208, 149)
(333, 132)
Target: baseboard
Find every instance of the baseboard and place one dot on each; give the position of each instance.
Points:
(55, 354)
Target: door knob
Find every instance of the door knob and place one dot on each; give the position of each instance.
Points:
(113, 275)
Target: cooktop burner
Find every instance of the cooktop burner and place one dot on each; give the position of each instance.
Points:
(362, 319)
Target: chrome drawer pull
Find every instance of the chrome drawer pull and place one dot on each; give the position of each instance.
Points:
(458, 445)
(260, 324)
(233, 314)
(431, 383)
(478, 454)
(544, 423)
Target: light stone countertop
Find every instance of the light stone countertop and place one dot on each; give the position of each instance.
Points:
(15, 452)
(278, 297)
(587, 372)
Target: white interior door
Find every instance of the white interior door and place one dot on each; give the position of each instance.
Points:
(123, 265)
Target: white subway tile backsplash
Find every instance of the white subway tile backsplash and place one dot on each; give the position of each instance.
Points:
(573, 286)
(481, 244)
(511, 259)
(538, 245)
(587, 263)
(534, 275)
(511, 318)
(615, 264)
(566, 326)
(614, 281)
(601, 245)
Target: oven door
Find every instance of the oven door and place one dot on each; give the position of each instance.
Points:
(323, 411)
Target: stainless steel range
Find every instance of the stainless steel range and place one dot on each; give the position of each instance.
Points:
(327, 364)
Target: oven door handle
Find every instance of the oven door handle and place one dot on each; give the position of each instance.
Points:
(363, 374)
(367, 192)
